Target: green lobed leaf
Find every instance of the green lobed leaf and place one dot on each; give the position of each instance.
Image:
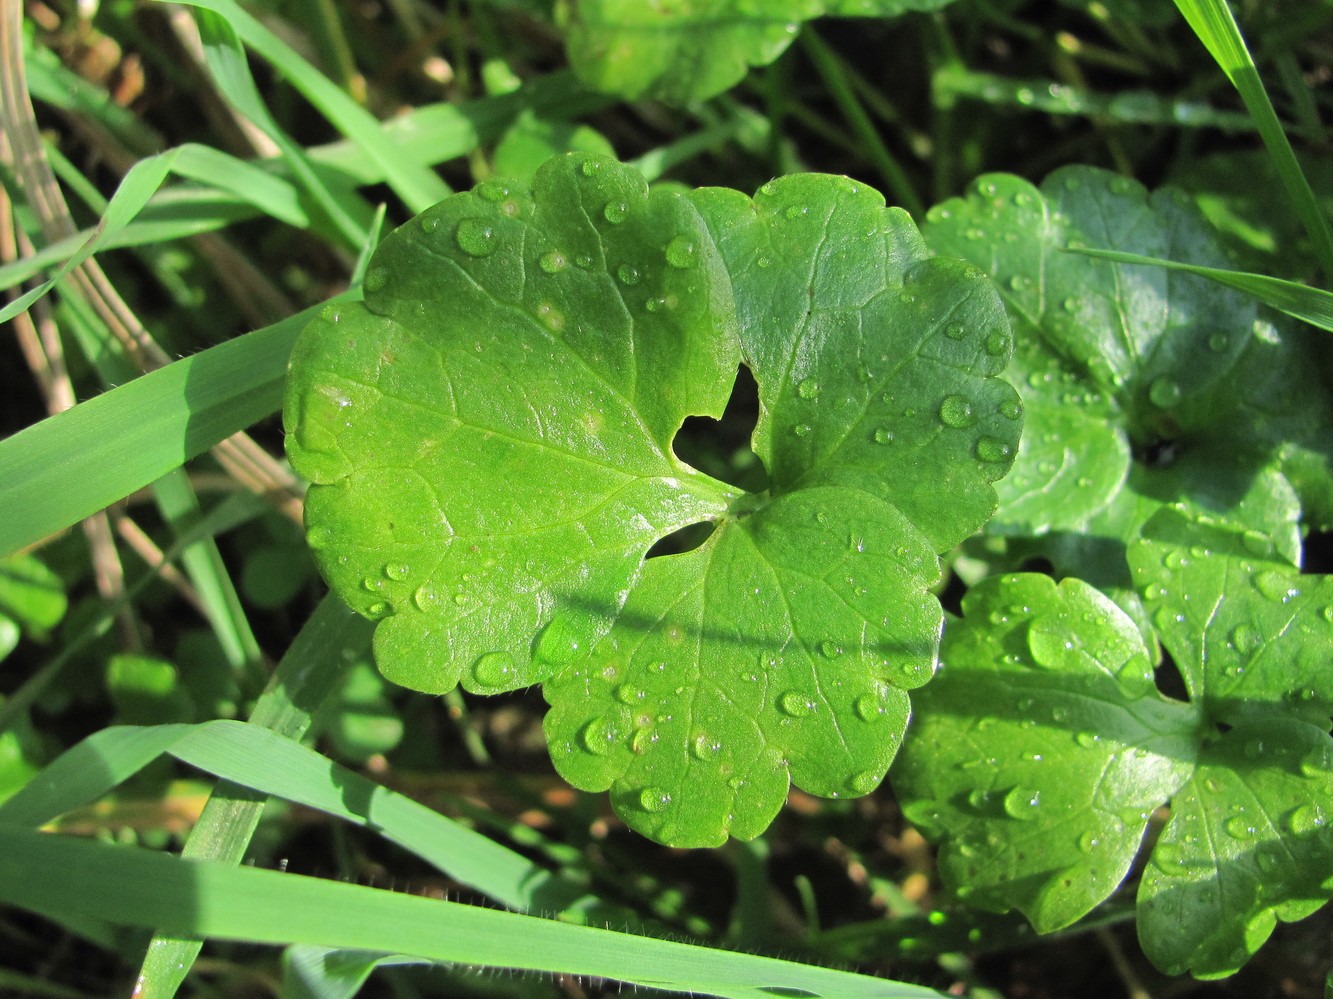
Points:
(1248, 632)
(798, 626)
(694, 49)
(1041, 749)
(487, 480)
(1249, 843)
(1131, 376)
(1250, 771)
(489, 435)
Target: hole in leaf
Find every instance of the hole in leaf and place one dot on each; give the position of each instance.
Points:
(721, 448)
(1157, 453)
(1168, 679)
(688, 538)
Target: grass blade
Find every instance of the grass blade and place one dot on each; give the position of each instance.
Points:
(227, 173)
(1213, 22)
(58, 471)
(1310, 305)
(138, 887)
(418, 186)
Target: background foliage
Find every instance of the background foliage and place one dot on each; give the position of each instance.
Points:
(1173, 475)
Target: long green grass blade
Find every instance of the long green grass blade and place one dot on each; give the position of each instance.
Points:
(231, 72)
(1216, 27)
(243, 180)
(312, 668)
(271, 764)
(418, 186)
(55, 473)
(202, 898)
(1310, 305)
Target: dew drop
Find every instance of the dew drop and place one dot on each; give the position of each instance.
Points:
(682, 252)
(319, 536)
(475, 237)
(427, 598)
(628, 274)
(864, 782)
(590, 168)
(801, 430)
(1276, 586)
(494, 669)
(868, 707)
(557, 643)
(829, 650)
(1218, 342)
(430, 223)
(795, 704)
(1257, 543)
(1246, 639)
(956, 411)
(794, 212)
(654, 799)
(583, 261)
(993, 449)
(397, 570)
(996, 343)
(553, 262)
(955, 331)
(808, 389)
(1164, 392)
(377, 609)
(883, 435)
(1239, 826)
(615, 212)
(600, 736)
(1306, 819)
(629, 694)
(376, 279)
(1011, 409)
(492, 190)
(705, 746)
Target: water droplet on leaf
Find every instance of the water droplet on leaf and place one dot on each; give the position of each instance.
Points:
(376, 279)
(557, 643)
(1164, 392)
(493, 669)
(615, 212)
(808, 389)
(795, 704)
(654, 799)
(682, 252)
(553, 262)
(600, 736)
(864, 782)
(993, 449)
(956, 411)
(475, 237)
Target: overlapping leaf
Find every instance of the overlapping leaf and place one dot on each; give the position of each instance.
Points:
(490, 441)
(1119, 360)
(780, 650)
(1042, 748)
(1248, 768)
(695, 49)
